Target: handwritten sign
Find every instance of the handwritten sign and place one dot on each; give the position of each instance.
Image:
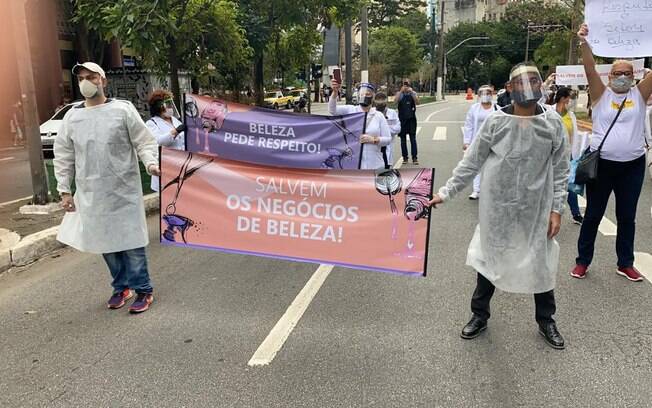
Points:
(573, 75)
(620, 28)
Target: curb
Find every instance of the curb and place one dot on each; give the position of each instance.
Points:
(585, 125)
(33, 247)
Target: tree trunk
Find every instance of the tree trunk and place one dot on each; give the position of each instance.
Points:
(173, 59)
(258, 79)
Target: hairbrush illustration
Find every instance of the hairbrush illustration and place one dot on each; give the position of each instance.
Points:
(389, 183)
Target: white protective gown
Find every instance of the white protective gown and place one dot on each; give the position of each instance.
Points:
(372, 157)
(525, 166)
(161, 129)
(97, 146)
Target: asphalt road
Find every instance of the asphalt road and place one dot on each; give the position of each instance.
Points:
(366, 340)
(15, 178)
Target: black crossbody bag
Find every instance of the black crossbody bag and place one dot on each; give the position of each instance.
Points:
(587, 167)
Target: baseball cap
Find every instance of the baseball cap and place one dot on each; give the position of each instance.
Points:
(91, 66)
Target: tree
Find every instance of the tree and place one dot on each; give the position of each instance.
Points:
(383, 13)
(266, 20)
(416, 21)
(395, 48)
(169, 34)
(553, 51)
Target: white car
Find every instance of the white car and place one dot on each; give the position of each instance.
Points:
(50, 129)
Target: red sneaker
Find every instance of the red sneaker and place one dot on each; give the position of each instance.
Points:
(118, 299)
(142, 302)
(579, 271)
(630, 273)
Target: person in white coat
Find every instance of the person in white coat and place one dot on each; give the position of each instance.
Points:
(523, 155)
(380, 103)
(98, 147)
(377, 133)
(475, 117)
(164, 125)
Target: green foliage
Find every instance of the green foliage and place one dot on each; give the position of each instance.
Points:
(384, 13)
(395, 49)
(416, 22)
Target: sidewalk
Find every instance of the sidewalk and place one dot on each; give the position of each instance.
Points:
(36, 233)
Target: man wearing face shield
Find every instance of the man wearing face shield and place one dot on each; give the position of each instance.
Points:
(98, 147)
(523, 155)
(621, 167)
(377, 133)
(475, 117)
(164, 125)
(380, 103)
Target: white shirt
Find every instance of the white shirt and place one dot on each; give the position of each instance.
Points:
(372, 157)
(161, 129)
(626, 140)
(474, 119)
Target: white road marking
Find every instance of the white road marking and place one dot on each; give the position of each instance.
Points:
(6, 159)
(279, 334)
(440, 133)
(606, 227)
(643, 262)
(436, 112)
(14, 201)
(418, 130)
(398, 164)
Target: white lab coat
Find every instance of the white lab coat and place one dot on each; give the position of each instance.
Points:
(161, 129)
(475, 117)
(372, 157)
(394, 128)
(525, 168)
(98, 147)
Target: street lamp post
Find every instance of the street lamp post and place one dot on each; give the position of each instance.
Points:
(453, 49)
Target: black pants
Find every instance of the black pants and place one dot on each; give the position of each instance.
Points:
(625, 179)
(409, 127)
(544, 302)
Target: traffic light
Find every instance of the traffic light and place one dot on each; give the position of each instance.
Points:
(316, 71)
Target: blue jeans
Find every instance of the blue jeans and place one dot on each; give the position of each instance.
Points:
(572, 203)
(129, 270)
(625, 179)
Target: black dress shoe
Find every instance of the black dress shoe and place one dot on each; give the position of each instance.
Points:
(551, 334)
(473, 328)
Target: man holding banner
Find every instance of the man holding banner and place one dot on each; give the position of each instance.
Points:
(523, 155)
(619, 134)
(376, 133)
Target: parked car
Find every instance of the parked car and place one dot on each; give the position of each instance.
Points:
(297, 94)
(50, 128)
(276, 99)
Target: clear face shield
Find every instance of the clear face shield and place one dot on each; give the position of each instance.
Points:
(366, 94)
(170, 109)
(485, 94)
(526, 85)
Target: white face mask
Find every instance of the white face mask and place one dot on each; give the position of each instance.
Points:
(621, 84)
(485, 98)
(88, 89)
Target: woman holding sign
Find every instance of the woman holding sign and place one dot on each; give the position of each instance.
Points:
(619, 134)
(376, 134)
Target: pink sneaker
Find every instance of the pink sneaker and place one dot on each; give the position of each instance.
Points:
(630, 273)
(579, 271)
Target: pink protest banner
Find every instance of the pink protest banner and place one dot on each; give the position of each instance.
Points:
(377, 220)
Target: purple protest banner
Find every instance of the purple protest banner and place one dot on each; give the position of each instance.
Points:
(268, 137)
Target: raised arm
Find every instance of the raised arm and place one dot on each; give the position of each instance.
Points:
(645, 86)
(596, 87)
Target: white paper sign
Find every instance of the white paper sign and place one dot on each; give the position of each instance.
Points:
(570, 75)
(620, 28)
